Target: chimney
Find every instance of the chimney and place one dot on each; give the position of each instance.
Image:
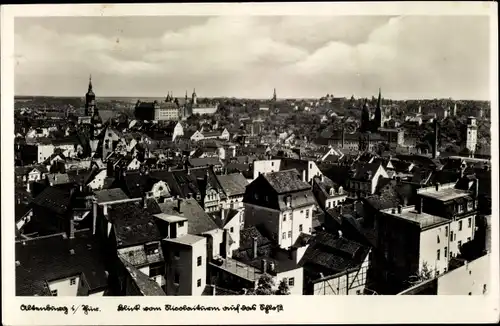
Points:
(304, 176)
(400, 209)
(342, 137)
(437, 186)
(94, 217)
(179, 201)
(255, 247)
(264, 266)
(393, 211)
(476, 188)
(340, 234)
(222, 214)
(420, 205)
(435, 145)
(190, 195)
(271, 266)
(145, 202)
(72, 228)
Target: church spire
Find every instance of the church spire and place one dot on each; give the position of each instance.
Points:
(90, 83)
(274, 95)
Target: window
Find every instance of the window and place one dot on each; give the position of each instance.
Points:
(437, 273)
(284, 217)
(307, 213)
(54, 293)
(72, 281)
(272, 163)
(301, 212)
(291, 281)
(445, 252)
(438, 254)
(445, 269)
(438, 240)
(300, 227)
(289, 234)
(198, 261)
(310, 230)
(469, 222)
(358, 292)
(329, 203)
(459, 244)
(284, 235)
(198, 283)
(451, 236)
(231, 229)
(468, 239)
(470, 205)
(181, 224)
(446, 231)
(176, 278)
(459, 225)
(460, 208)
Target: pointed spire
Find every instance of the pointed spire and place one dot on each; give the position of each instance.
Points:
(186, 94)
(90, 82)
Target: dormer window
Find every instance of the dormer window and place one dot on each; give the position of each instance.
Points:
(332, 191)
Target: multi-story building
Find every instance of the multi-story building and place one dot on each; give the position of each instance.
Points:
(234, 186)
(423, 238)
(307, 169)
(327, 193)
(283, 203)
(364, 179)
(394, 136)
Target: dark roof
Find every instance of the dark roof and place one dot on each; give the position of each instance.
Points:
(133, 224)
(108, 195)
(286, 181)
(198, 220)
(229, 213)
(145, 285)
(204, 161)
(365, 171)
(55, 199)
(233, 184)
(55, 257)
(329, 254)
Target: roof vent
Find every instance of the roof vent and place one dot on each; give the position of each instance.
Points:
(72, 251)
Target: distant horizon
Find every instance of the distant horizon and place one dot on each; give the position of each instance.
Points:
(253, 98)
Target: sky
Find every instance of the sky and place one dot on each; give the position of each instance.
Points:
(408, 57)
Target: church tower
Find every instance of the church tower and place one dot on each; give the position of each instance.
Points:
(471, 134)
(379, 118)
(194, 98)
(274, 95)
(90, 100)
(365, 117)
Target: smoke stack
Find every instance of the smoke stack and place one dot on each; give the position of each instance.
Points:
(435, 145)
(420, 205)
(255, 247)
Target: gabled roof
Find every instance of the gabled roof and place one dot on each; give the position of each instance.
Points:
(233, 184)
(55, 257)
(229, 213)
(286, 181)
(55, 199)
(133, 224)
(365, 171)
(109, 195)
(198, 220)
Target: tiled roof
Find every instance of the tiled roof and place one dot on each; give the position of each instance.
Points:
(365, 171)
(133, 224)
(55, 199)
(145, 285)
(331, 254)
(58, 178)
(108, 195)
(50, 258)
(198, 220)
(286, 181)
(204, 161)
(233, 184)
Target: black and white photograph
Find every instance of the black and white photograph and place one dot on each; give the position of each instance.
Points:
(259, 154)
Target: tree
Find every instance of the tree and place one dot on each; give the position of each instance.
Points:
(264, 286)
(283, 288)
